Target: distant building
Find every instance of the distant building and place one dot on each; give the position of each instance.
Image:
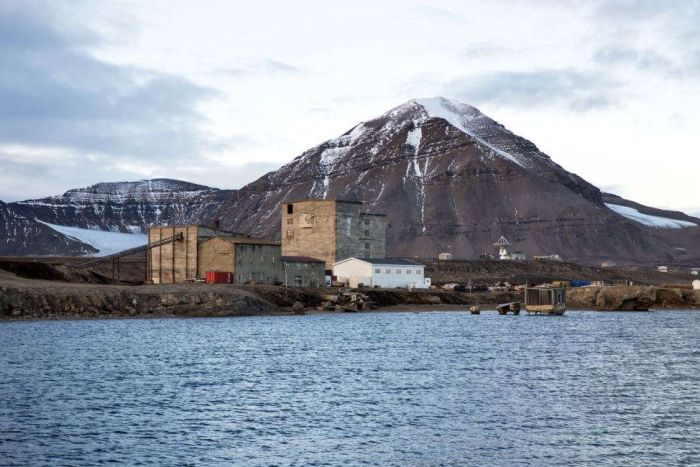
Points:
(331, 230)
(696, 285)
(302, 271)
(518, 256)
(662, 268)
(445, 256)
(695, 271)
(386, 273)
(608, 264)
(251, 260)
(178, 261)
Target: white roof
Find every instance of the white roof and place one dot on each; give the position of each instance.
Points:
(382, 261)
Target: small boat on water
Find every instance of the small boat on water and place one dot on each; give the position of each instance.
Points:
(545, 300)
(505, 308)
(475, 309)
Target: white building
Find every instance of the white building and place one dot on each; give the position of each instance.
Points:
(696, 285)
(386, 273)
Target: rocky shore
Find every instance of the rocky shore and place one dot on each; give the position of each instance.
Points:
(22, 299)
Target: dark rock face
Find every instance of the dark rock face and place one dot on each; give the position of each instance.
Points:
(22, 235)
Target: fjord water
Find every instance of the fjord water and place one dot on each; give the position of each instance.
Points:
(374, 389)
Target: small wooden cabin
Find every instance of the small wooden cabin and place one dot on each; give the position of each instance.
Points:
(545, 300)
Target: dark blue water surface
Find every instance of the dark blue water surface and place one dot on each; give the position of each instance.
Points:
(354, 389)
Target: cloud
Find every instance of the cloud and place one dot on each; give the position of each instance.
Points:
(254, 68)
(578, 91)
(648, 60)
(54, 93)
(60, 171)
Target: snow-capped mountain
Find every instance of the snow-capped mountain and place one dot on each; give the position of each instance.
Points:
(448, 177)
(126, 206)
(451, 179)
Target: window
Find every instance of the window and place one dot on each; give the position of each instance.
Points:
(366, 233)
(297, 280)
(290, 209)
(290, 221)
(290, 234)
(417, 271)
(408, 271)
(398, 271)
(366, 245)
(377, 271)
(262, 259)
(366, 221)
(388, 271)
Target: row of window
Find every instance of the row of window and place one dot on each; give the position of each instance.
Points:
(397, 271)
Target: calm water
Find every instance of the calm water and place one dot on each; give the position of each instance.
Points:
(354, 389)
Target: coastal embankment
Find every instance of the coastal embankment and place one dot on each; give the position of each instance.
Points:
(22, 299)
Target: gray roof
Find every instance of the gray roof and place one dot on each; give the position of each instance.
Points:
(392, 261)
(301, 259)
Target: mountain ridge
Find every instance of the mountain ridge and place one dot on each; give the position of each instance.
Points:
(449, 178)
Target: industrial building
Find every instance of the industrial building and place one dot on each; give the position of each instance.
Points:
(188, 252)
(302, 271)
(385, 273)
(250, 260)
(178, 260)
(331, 230)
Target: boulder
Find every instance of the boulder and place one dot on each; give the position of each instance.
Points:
(625, 298)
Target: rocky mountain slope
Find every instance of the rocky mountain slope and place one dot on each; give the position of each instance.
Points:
(451, 179)
(22, 235)
(126, 206)
(448, 177)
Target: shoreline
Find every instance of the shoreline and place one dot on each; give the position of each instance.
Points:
(28, 299)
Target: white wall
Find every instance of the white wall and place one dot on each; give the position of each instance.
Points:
(355, 271)
(389, 276)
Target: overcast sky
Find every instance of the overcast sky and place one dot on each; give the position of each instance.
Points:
(220, 92)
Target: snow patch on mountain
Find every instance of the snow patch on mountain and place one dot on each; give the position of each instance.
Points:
(462, 116)
(106, 242)
(414, 137)
(649, 220)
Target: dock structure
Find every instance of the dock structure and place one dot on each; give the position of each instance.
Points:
(545, 300)
(505, 308)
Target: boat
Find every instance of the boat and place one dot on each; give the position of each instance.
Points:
(475, 309)
(545, 300)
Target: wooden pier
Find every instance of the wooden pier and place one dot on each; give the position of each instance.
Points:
(545, 300)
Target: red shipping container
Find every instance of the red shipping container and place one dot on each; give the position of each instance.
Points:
(219, 277)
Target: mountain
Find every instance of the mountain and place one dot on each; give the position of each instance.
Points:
(452, 179)
(21, 235)
(126, 206)
(448, 177)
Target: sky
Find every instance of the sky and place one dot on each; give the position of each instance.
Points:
(221, 92)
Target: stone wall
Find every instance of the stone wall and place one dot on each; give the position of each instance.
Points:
(331, 231)
(309, 229)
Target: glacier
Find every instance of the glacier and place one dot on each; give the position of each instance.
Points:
(106, 242)
(648, 219)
